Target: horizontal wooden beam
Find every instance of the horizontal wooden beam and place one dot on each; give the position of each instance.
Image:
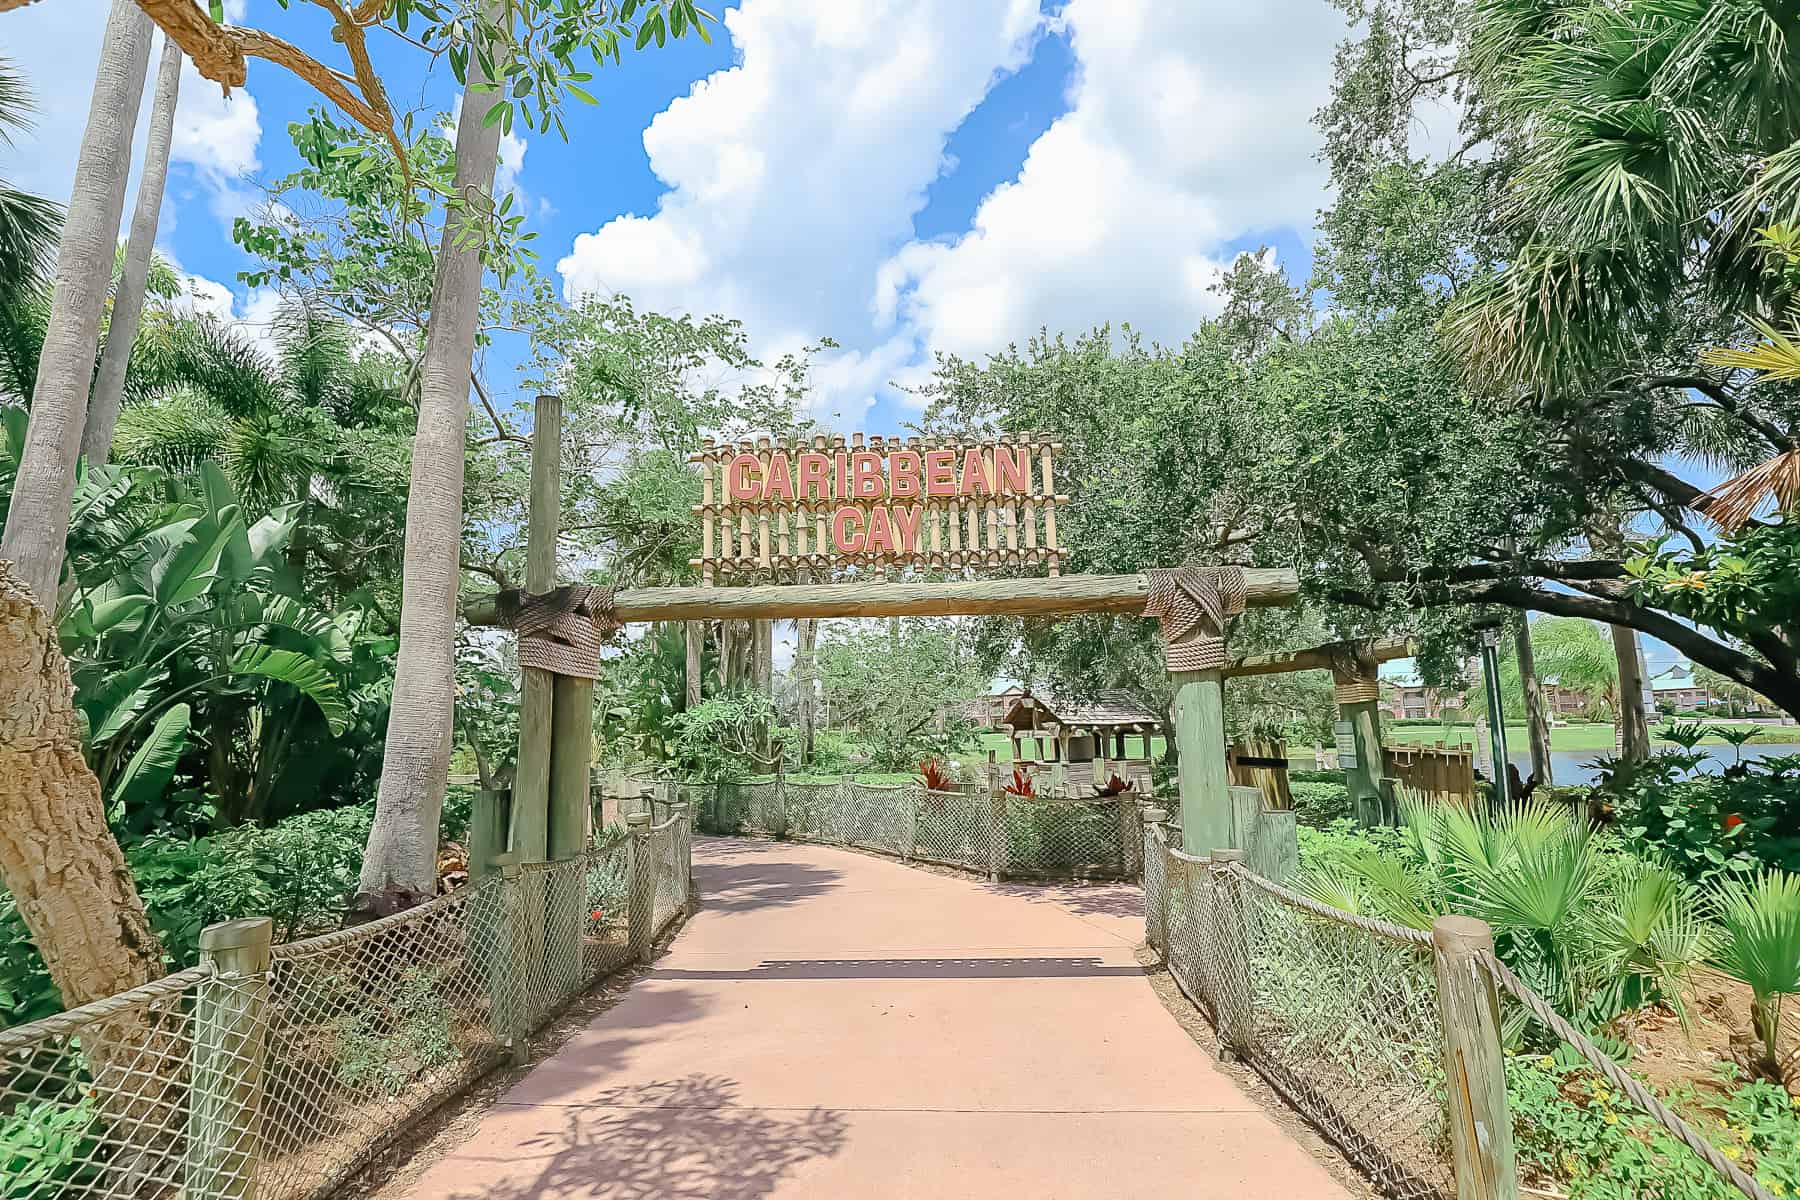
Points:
(1320, 658)
(1064, 595)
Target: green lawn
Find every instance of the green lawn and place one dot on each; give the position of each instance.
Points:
(1597, 737)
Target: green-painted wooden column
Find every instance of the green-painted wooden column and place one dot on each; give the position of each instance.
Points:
(1359, 703)
(1199, 712)
(537, 699)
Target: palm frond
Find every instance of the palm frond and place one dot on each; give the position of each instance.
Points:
(177, 431)
(1738, 499)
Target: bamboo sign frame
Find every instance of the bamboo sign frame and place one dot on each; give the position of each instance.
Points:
(769, 509)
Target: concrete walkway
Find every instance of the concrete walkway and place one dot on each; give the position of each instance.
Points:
(838, 1026)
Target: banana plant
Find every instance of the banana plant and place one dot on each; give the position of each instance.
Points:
(199, 613)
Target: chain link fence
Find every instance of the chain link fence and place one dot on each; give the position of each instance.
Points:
(1347, 1017)
(279, 1072)
(998, 834)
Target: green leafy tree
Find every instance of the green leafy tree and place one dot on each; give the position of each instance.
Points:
(897, 687)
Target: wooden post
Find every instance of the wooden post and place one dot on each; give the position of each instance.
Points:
(640, 887)
(488, 822)
(1156, 884)
(230, 1025)
(531, 785)
(1359, 699)
(1235, 997)
(1481, 1143)
(571, 753)
(512, 1010)
(998, 839)
(1199, 712)
(695, 633)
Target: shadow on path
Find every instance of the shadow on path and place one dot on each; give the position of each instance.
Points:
(915, 968)
(734, 878)
(678, 1139)
(1096, 900)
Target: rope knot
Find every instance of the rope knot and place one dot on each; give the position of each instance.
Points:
(561, 631)
(1194, 601)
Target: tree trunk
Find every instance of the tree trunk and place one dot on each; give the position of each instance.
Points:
(762, 671)
(57, 856)
(806, 669)
(402, 849)
(37, 524)
(128, 301)
(695, 633)
(1634, 727)
(728, 654)
(1537, 724)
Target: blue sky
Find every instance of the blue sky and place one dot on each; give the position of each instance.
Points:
(901, 177)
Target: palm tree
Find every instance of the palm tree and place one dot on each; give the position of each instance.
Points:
(85, 916)
(28, 224)
(128, 296)
(37, 523)
(402, 848)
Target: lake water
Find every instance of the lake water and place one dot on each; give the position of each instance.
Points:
(1571, 767)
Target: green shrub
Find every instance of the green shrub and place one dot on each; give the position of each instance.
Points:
(386, 1046)
(299, 872)
(46, 1149)
(1573, 1129)
(1319, 804)
(1706, 825)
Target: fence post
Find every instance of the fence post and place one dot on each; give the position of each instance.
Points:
(912, 824)
(1156, 884)
(488, 823)
(1481, 1143)
(781, 816)
(514, 1011)
(1234, 998)
(230, 1025)
(997, 835)
(640, 887)
(684, 849)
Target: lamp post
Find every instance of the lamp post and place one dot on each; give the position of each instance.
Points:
(1490, 668)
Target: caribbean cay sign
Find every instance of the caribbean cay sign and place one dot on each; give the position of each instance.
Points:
(771, 509)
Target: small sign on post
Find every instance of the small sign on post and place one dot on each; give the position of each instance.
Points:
(1344, 734)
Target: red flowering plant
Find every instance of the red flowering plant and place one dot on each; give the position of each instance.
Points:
(1112, 788)
(1021, 785)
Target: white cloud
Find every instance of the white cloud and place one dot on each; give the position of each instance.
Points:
(253, 315)
(57, 46)
(217, 136)
(795, 173)
(794, 177)
(1189, 127)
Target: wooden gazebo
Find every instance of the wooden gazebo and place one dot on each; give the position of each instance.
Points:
(1048, 729)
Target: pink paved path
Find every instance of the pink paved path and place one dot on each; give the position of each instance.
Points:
(835, 1025)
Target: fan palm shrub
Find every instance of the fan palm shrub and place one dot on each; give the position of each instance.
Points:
(1761, 919)
(1596, 932)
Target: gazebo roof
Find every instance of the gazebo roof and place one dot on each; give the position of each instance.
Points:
(1108, 710)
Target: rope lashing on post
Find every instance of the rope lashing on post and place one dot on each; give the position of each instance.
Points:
(1356, 691)
(561, 631)
(1190, 599)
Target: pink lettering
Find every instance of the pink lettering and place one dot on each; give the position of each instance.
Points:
(940, 472)
(1014, 466)
(780, 483)
(740, 478)
(975, 479)
(865, 475)
(904, 480)
(846, 530)
(908, 521)
(815, 476)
